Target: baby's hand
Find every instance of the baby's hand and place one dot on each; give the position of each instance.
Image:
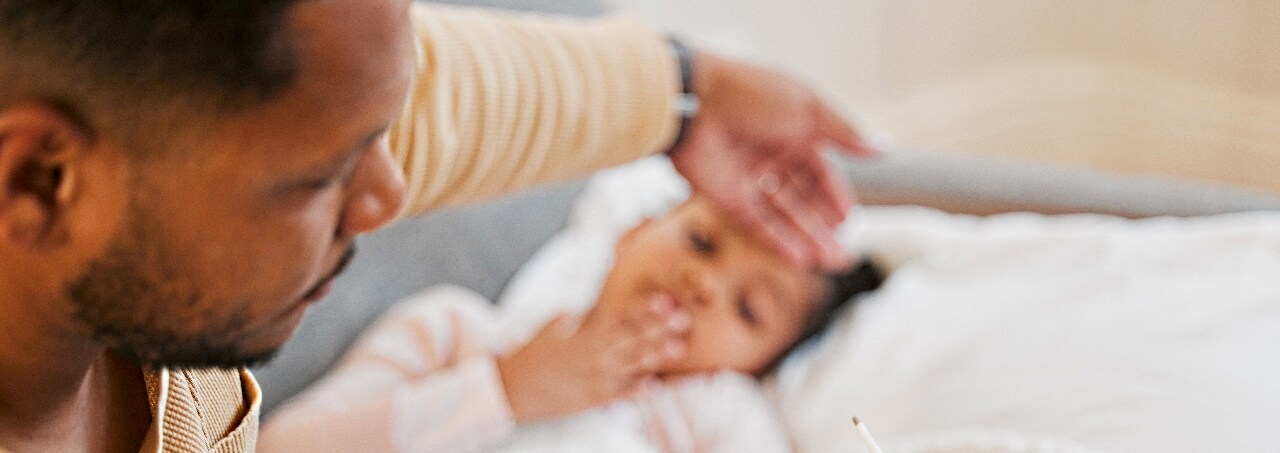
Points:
(561, 371)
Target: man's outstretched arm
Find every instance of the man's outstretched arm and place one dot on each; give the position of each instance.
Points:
(502, 102)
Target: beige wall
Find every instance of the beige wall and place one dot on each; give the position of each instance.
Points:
(1174, 87)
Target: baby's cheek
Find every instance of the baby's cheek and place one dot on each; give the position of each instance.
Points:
(732, 349)
(705, 351)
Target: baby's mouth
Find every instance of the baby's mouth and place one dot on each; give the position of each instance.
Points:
(670, 300)
(675, 302)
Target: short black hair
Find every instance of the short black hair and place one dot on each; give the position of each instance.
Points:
(96, 58)
(842, 289)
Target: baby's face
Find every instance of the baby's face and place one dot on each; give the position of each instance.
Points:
(747, 305)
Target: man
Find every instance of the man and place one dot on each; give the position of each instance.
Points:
(179, 180)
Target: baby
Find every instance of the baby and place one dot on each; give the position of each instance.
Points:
(691, 313)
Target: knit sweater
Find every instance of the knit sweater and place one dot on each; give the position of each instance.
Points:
(499, 102)
(504, 102)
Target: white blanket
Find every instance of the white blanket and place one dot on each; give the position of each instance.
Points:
(1017, 332)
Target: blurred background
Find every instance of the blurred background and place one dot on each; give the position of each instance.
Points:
(1188, 89)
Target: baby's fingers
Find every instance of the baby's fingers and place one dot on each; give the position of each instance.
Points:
(641, 385)
(660, 316)
(648, 354)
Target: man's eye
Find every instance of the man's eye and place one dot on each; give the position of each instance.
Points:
(318, 184)
(701, 243)
(746, 312)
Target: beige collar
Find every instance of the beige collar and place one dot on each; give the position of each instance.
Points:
(158, 391)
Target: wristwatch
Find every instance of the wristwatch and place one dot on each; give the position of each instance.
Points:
(686, 102)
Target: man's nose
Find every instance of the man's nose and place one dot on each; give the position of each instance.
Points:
(376, 193)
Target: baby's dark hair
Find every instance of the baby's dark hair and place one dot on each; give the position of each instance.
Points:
(842, 289)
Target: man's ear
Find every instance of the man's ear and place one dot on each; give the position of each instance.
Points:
(39, 151)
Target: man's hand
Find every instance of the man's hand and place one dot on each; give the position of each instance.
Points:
(562, 372)
(755, 148)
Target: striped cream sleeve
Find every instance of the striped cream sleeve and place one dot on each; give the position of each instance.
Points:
(503, 101)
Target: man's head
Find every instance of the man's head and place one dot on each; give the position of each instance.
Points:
(178, 179)
(748, 306)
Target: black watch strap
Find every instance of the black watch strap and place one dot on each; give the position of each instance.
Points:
(686, 103)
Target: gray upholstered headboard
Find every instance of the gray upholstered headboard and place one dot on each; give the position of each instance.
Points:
(959, 183)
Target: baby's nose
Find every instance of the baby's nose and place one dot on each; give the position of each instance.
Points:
(707, 285)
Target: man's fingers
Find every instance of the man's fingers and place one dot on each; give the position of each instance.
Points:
(838, 131)
(760, 218)
(788, 238)
(831, 186)
(810, 202)
(823, 189)
(808, 193)
(816, 233)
